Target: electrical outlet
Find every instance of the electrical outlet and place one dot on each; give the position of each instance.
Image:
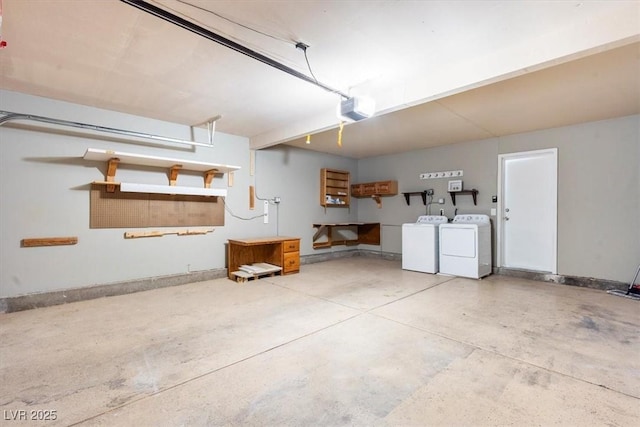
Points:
(266, 212)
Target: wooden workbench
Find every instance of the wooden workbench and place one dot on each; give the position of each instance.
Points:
(281, 251)
(368, 234)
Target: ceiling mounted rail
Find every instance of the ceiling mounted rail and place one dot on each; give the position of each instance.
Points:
(9, 116)
(208, 34)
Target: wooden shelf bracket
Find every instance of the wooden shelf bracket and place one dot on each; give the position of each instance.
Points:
(208, 177)
(112, 167)
(173, 174)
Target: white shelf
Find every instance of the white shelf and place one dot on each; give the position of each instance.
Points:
(162, 162)
(128, 187)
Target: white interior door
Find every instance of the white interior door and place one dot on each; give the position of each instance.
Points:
(527, 205)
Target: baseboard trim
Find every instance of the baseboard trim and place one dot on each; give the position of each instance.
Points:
(583, 282)
(46, 299)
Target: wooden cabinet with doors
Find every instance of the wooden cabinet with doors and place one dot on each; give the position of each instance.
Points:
(335, 188)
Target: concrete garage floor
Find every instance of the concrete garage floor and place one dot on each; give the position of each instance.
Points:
(355, 341)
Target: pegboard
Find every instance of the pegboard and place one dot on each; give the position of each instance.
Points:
(129, 210)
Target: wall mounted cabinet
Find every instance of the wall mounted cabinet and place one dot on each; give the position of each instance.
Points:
(334, 188)
(375, 190)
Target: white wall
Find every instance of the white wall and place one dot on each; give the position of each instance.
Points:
(598, 194)
(44, 192)
(293, 174)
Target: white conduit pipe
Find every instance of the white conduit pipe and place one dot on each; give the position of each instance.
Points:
(11, 116)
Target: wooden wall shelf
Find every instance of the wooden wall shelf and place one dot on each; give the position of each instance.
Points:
(473, 193)
(375, 190)
(334, 188)
(48, 241)
(368, 234)
(155, 161)
(174, 166)
(126, 187)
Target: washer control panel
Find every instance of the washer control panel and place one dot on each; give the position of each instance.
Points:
(431, 219)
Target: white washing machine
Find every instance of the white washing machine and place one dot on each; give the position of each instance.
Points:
(420, 244)
(465, 246)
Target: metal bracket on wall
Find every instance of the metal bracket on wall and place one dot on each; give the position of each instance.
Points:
(9, 116)
(416, 193)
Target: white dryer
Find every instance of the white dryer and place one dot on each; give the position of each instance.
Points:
(420, 244)
(465, 246)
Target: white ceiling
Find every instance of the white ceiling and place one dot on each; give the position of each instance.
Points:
(440, 71)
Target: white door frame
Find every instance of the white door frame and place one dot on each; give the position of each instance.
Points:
(500, 213)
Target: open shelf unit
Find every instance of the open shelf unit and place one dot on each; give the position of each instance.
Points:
(174, 166)
(334, 188)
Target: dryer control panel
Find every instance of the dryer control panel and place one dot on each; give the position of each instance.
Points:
(472, 219)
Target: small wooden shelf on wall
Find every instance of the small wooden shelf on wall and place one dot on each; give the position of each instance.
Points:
(375, 190)
(173, 166)
(334, 188)
(473, 193)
